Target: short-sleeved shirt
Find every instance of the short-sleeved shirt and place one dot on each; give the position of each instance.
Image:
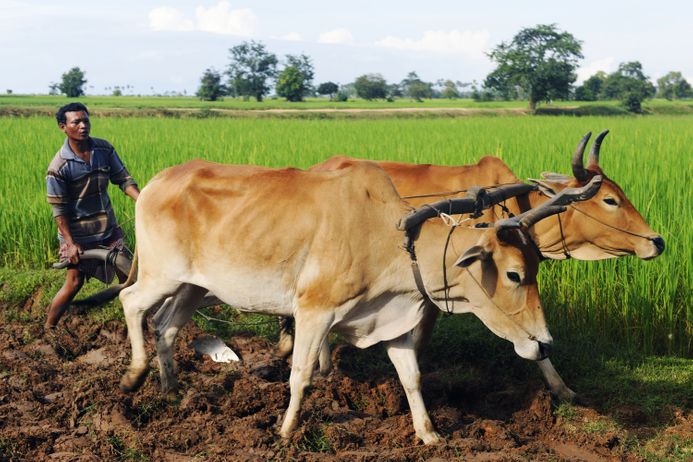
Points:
(79, 190)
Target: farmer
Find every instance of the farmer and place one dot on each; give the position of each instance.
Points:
(77, 187)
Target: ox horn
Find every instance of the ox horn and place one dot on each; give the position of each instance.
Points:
(556, 204)
(593, 159)
(578, 167)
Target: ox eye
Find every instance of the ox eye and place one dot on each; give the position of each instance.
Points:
(513, 276)
(610, 201)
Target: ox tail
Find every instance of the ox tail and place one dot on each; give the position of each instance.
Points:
(111, 292)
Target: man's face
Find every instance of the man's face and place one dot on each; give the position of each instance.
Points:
(77, 125)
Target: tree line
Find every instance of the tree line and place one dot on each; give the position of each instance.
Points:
(253, 69)
(538, 65)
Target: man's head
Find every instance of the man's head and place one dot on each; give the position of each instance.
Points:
(73, 119)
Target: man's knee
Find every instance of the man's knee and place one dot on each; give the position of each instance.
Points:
(74, 280)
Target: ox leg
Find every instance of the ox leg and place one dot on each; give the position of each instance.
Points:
(137, 300)
(179, 310)
(424, 330)
(286, 344)
(325, 358)
(311, 330)
(556, 384)
(403, 355)
(286, 339)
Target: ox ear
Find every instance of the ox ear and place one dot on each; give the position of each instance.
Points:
(471, 255)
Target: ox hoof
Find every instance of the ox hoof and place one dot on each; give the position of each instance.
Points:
(565, 394)
(287, 429)
(132, 381)
(325, 370)
(431, 438)
(172, 396)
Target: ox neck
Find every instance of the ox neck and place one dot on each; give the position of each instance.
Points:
(432, 264)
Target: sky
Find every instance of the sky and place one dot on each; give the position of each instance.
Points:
(165, 46)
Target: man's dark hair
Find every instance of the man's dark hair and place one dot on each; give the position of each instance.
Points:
(72, 107)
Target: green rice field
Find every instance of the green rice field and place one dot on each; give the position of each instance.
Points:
(119, 104)
(645, 305)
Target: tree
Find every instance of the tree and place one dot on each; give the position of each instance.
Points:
(392, 91)
(673, 86)
(72, 83)
(296, 80)
(448, 89)
(211, 88)
(290, 84)
(117, 91)
(630, 85)
(591, 89)
(540, 60)
(371, 86)
(328, 88)
(416, 88)
(250, 68)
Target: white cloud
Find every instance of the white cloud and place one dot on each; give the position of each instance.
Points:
(291, 37)
(221, 19)
(218, 19)
(336, 36)
(587, 71)
(454, 42)
(165, 18)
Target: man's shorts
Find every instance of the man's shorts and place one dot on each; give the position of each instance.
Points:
(94, 268)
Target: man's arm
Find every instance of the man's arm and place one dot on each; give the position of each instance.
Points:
(132, 191)
(121, 177)
(73, 249)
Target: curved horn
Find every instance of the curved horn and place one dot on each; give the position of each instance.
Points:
(578, 168)
(593, 159)
(556, 204)
(122, 262)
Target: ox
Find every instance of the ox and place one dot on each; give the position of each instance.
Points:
(323, 247)
(605, 226)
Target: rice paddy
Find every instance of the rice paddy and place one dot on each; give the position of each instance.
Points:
(645, 305)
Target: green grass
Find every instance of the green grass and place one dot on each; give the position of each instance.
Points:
(644, 305)
(101, 103)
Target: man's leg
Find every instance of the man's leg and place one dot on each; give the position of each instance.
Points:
(73, 283)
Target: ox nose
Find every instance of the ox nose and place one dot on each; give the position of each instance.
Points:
(544, 349)
(659, 243)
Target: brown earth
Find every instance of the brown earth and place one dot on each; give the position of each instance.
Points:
(59, 400)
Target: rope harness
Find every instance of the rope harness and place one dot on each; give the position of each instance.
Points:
(454, 224)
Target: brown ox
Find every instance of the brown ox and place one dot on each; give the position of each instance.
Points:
(322, 247)
(605, 226)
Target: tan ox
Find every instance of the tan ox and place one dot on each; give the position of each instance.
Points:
(605, 226)
(324, 248)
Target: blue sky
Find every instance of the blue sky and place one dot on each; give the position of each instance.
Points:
(166, 45)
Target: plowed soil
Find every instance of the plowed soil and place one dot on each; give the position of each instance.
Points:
(59, 400)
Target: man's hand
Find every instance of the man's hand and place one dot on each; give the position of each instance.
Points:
(132, 192)
(73, 251)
